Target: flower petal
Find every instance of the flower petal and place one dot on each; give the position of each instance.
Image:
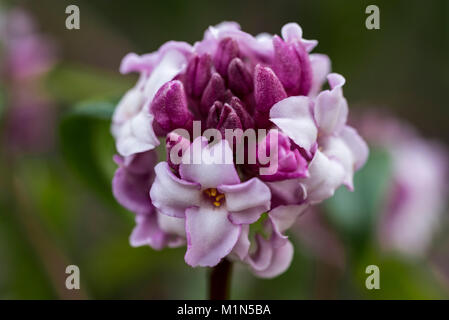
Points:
(147, 232)
(216, 166)
(246, 201)
(131, 190)
(171, 64)
(210, 236)
(243, 244)
(331, 108)
(356, 144)
(260, 260)
(294, 117)
(326, 175)
(280, 261)
(283, 217)
(321, 66)
(171, 195)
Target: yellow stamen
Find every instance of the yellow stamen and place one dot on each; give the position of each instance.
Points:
(213, 192)
(217, 204)
(219, 197)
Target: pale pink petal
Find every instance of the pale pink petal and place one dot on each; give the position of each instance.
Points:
(321, 66)
(261, 259)
(171, 195)
(280, 261)
(210, 236)
(326, 176)
(331, 108)
(136, 135)
(356, 144)
(215, 167)
(243, 244)
(294, 117)
(246, 201)
(283, 217)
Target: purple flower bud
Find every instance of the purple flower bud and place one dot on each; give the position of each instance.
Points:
(306, 69)
(267, 91)
(198, 74)
(239, 78)
(169, 108)
(181, 144)
(288, 162)
(223, 117)
(287, 66)
(246, 120)
(215, 91)
(227, 50)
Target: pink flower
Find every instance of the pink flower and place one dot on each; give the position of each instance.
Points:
(231, 80)
(318, 125)
(287, 162)
(417, 191)
(228, 80)
(132, 123)
(28, 54)
(273, 252)
(130, 186)
(212, 200)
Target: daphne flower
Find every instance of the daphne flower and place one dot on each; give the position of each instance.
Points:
(417, 191)
(286, 161)
(273, 251)
(130, 186)
(319, 126)
(132, 123)
(213, 201)
(26, 56)
(231, 80)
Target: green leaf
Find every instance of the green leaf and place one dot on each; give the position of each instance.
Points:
(73, 83)
(354, 213)
(400, 278)
(88, 146)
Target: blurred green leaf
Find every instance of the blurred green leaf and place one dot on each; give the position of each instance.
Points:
(86, 146)
(73, 83)
(354, 213)
(399, 278)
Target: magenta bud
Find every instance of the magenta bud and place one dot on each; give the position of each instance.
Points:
(215, 91)
(288, 162)
(287, 66)
(223, 117)
(197, 75)
(239, 78)
(170, 109)
(228, 119)
(246, 120)
(306, 69)
(268, 90)
(227, 50)
(213, 117)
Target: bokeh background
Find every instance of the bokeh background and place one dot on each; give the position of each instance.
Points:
(56, 206)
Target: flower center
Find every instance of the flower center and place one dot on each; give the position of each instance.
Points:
(216, 197)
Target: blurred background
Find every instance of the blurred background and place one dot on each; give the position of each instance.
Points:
(56, 205)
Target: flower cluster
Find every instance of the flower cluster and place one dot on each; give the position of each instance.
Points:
(234, 81)
(417, 188)
(27, 56)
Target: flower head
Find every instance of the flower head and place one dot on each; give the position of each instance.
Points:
(231, 81)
